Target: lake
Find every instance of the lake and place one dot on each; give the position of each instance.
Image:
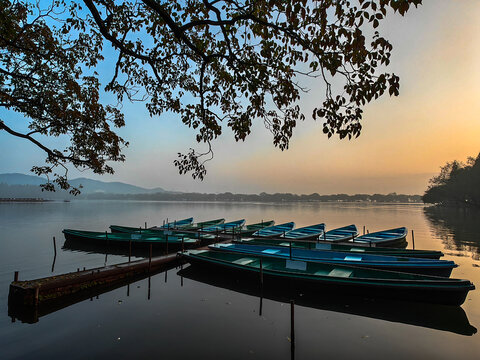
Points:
(185, 313)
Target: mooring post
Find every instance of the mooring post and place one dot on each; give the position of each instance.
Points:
(15, 276)
(413, 240)
(363, 229)
(54, 247)
(166, 271)
(183, 246)
(129, 249)
(145, 225)
(368, 232)
(37, 292)
(166, 243)
(128, 289)
(261, 272)
(324, 236)
(150, 258)
(292, 327)
(290, 250)
(353, 237)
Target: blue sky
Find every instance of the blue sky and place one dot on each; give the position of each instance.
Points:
(403, 143)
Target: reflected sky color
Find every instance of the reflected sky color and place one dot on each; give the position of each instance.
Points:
(403, 143)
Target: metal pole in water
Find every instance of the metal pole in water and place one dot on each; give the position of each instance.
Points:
(413, 240)
(54, 247)
(15, 276)
(292, 327)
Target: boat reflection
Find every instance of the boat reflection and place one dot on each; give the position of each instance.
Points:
(433, 316)
(457, 228)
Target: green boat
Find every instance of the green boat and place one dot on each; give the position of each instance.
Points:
(118, 239)
(428, 254)
(204, 224)
(338, 278)
(156, 230)
(248, 230)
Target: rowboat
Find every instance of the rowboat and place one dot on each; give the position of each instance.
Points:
(339, 278)
(251, 228)
(307, 232)
(427, 254)
(225, 226)
(381, 262)
(138, 230)
(392, 237)
(104, 238)
(275, 231)
(341, 234)
(204, 224)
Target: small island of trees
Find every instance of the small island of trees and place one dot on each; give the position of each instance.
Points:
(456, 185)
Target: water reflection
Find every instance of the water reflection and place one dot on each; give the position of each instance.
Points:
(433, 316)
(457, 228)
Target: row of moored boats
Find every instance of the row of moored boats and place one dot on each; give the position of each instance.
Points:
(337, 258)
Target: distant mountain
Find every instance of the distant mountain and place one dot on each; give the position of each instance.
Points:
(21, 179)
(89, 186)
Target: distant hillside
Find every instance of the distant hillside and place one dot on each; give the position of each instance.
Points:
(89, 186)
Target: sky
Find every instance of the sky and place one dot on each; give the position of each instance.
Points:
(404, 141)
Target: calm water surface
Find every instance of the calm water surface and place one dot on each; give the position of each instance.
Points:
(191, 314)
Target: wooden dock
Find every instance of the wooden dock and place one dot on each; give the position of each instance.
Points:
(34, 292)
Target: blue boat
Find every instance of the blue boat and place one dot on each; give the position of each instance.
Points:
(229, 226)
(392, 237)
(307, 232)
(275, 231)
(380, 262)
(341, 234)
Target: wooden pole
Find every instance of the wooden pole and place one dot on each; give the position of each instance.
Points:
(290, 250)
(324, 236)
(413, 240)
(166, 243)
(15, 276)
(54, 247)
(150, 259)
(129, 249)
(353, 237)
(37, 291)
(145, 225)
(363, 229)
(261, 272)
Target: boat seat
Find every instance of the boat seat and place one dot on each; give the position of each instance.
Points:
(295, 264)
(357, 249)
(322, 272)
(244, 261)
(340, 273)
(270, 251)
(353, 258)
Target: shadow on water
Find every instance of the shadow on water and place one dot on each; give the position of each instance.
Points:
(439, 317)
(456, 227)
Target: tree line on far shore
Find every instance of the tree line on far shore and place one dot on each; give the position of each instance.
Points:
(32, 191)
(458, 184)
